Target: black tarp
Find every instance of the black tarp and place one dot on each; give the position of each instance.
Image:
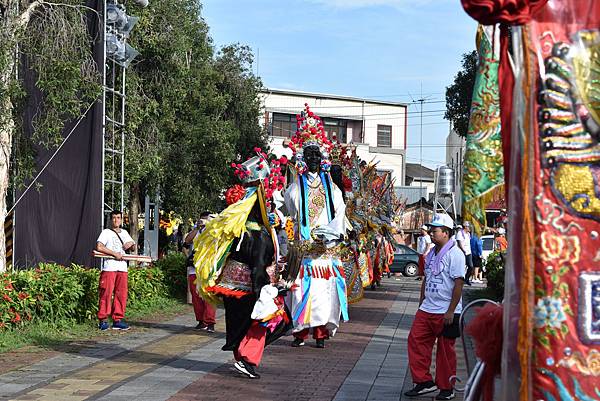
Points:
(61, 221)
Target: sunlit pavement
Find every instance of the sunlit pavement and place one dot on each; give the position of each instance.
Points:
(366, 360)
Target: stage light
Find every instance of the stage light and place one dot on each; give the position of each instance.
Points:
(116, 16)
(114, 45)
(119, 51)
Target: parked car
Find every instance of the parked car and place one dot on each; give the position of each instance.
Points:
(488, 246)
(406, 261)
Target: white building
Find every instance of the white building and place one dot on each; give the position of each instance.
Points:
(455, 155)
(377, 128)
(420, 176)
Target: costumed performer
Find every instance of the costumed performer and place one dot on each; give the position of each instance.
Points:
(235, 259)
(317, 206)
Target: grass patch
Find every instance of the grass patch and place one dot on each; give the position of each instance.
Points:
(57, 334)
(156, 309)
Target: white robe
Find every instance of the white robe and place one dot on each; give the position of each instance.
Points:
(323, 307)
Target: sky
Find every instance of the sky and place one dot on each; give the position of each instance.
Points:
(396, 50)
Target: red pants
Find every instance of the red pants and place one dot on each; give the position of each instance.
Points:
(421, 271)
(252, 345)
(318, 333)
(205, 312)
(426, 328)
(376, 274)
(112, 282)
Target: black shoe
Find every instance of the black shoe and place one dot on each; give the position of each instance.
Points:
(421, 388)
(210, 328)
(445, 395)
(246, 369)
(298, 342)
(321, 343)
(373, 286)
(200, 326)
(468, 283)
(419, 278)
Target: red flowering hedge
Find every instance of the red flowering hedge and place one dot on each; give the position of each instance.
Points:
(15, 306)
(52, 292)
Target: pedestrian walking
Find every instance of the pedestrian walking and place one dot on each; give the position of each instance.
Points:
(463, 239)
(112, 289)
(500, 243)
(437, 317)
(424, 245)
(477, 253)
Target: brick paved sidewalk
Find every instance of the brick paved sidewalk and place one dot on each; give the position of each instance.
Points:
(366, 360)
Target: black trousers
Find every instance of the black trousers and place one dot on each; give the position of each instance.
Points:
(469, 262)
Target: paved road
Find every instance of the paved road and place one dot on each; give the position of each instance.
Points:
(366, 360)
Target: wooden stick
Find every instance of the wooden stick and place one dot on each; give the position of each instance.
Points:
(135, 258)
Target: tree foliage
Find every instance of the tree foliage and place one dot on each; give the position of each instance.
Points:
(190, 111)
(46, 54)
(459, 94)
(55, 49)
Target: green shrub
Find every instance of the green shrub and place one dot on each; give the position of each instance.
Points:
(52, 293)
(175, 274)
(145, 285)
(494, 266)
(15, 306)
(56, 290)
(88, 304)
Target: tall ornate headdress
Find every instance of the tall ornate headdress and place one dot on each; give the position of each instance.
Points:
(310, 132)
(264, 168)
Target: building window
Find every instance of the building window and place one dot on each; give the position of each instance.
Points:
(384, 136)
(283, 125)
(336, 127)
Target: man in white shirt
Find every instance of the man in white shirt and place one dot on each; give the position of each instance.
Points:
(424, 245)
(437, 318)
(113, 279)
(463, 238)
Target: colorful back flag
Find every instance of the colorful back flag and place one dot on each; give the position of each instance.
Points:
(483, 179)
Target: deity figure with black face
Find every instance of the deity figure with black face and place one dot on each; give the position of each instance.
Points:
(317, 208)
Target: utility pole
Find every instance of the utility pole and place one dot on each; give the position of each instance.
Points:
(421, 100)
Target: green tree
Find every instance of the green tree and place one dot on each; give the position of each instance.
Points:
(190, 113)
(51, 41)
(459, 94)
(242, 88)
(175, 50)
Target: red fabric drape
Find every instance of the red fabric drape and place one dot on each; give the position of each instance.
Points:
(511, 12)
(486, 330)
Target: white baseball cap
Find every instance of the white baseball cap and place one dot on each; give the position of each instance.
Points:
(501, 231)
(424, 227)
(442, 220)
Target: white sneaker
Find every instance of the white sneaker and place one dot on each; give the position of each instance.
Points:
(246, 369)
